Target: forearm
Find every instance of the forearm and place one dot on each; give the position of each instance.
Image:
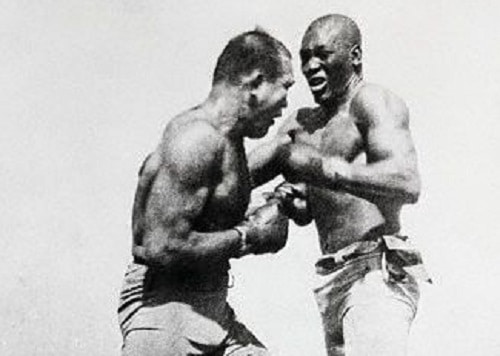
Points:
(263, 163)
(375, 182)
(195, 248)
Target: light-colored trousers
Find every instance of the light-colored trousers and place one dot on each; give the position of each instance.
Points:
(366, 308)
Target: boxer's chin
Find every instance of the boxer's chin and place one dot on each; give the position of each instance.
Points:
(321, 95)
(258, 131)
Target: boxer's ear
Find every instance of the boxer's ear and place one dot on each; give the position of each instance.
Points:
(253, 80)
(257, 81)
(356, 55)
(253, 83)
(253, 102)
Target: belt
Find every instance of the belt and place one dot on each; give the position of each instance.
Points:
(331, 262)
(400, 256)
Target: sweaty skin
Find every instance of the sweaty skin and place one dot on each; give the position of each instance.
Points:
(354, 151)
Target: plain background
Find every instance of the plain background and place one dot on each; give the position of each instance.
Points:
(86, 88)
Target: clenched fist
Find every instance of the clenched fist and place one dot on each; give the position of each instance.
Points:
(265, 229)
(300, 162)
(294, 201)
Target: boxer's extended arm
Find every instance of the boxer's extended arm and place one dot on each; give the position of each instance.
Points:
(264, 161)
(181, 187)
(391, 168)
(263, 164)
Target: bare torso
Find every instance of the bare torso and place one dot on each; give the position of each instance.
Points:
(341, 218)
(227, 204)
(171, 194)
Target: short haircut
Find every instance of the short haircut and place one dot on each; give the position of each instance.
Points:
(250, 51)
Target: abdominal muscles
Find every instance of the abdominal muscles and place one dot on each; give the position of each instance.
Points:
(342, 219)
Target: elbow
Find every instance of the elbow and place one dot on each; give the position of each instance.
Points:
(155, 254)
(153, 258)
(405, 187)
(163, 259)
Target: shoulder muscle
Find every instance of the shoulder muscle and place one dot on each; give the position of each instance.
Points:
(374, 105)
(191, 151)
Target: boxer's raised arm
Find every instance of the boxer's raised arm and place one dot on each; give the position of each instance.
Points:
(390, 172)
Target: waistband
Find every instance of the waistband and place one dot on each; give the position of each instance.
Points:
(193, 279)
(396, 251)
(330, 262)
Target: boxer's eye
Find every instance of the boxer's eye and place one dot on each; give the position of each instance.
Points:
(323, 54)
(305, 55)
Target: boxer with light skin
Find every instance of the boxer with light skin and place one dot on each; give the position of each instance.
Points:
(190, 211)
(354, 166)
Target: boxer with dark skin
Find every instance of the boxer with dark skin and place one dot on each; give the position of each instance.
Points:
(190, 211)
(355, 166)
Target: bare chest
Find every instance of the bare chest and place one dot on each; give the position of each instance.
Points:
(340, 137)
(231, 194)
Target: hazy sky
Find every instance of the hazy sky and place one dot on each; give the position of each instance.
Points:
(86, 89)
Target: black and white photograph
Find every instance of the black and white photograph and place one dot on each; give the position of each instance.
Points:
(249, 178)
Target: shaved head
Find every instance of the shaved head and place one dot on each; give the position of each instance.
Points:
(331, 56)
(339, 27)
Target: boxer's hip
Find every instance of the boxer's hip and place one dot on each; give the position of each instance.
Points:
(392, 252)
(153, 298)
(364, 272)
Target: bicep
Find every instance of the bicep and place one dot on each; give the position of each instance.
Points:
(181, 187)
(171, 210)
(390, 145)
(147, 174)
(385, 126)
(172, 203)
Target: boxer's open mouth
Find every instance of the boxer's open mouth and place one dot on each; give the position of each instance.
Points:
(317, 84)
